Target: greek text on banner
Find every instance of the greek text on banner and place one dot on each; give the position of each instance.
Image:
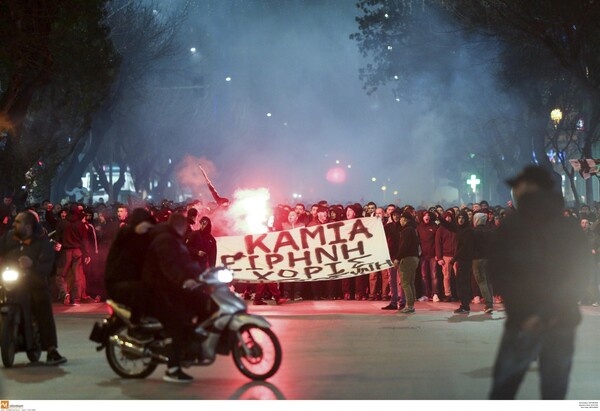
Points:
(335, 250)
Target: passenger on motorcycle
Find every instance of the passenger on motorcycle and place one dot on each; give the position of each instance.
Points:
(123, 275)
(28, 248)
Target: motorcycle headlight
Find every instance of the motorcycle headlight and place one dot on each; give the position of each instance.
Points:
(225, 276)
(10, 275)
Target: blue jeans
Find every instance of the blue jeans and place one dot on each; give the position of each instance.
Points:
(394, 287)
(553, 347)
(429, 280)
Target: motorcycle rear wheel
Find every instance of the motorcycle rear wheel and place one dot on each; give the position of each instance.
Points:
(264, 349)
(8, 341)
(124, 364)
(35, 353)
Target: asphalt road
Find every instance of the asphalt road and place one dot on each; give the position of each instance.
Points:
(332, 350)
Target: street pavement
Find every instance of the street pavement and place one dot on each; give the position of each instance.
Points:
(332, 350)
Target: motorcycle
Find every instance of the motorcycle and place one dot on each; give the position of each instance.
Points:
(229, 329)
(19, 330)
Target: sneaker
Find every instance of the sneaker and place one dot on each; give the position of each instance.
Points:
(488, 310)
(423, 299)
(54, 358)
(595, 304)
(390, 307)
(282, 301)
(408, 310)
(476, 300)
(436, 299)
(461, 310)
(259, 302)
(67, 299)
(177, 375)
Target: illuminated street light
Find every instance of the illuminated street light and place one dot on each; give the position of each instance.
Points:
(556, 116)
(373, 179)
(193, 49)
(269, 114)
(227, 78)
(383, 188)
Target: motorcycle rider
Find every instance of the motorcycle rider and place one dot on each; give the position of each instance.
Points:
(27, 247)
(168, 271)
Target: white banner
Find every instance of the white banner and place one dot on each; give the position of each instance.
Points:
(335, 250)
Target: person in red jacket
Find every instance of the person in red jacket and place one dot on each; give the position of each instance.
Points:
(445, 248)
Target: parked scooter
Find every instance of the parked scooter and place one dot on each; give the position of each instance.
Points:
(229, 329)
(19, 330)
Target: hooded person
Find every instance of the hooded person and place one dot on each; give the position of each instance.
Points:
(71, 235)
(463, 261)
(203, 245)
(482, 240)
(124, 262)
(445, 249)
(539, 266)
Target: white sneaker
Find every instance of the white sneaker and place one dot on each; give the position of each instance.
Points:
(476, 300)
(423, 299)
(436, 299)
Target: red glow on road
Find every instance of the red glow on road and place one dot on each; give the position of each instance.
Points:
(336, 175)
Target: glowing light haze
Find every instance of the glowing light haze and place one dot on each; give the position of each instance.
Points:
(286, 111)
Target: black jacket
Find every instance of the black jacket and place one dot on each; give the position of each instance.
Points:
(203, 240)
(126, 257)
(168, 262)
(408, 245)
(40, 250)
(538, 262)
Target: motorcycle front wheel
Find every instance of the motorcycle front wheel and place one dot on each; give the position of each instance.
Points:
(8, 341)
(124, 363)
(35, 352)
(257, 352)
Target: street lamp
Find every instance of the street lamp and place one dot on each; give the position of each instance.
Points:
(556, 116)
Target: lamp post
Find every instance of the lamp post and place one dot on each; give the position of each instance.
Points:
(556, 115)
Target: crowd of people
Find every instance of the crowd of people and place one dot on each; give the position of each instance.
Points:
(439, 253)
(459, 254)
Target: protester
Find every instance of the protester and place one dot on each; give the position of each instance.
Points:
(532, 264)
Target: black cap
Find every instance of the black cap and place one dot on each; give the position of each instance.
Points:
(406, 215)
(535, 175)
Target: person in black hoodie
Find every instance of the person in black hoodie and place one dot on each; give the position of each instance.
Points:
(483, 237)
(392, 234)
(463, 258)
(28, 248)
(202, 244)
(169, 271)
(74, 252)
(406, 259)
(538, 265)
(124, 262)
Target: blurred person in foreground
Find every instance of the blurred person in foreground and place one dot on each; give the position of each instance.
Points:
(538, 265)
